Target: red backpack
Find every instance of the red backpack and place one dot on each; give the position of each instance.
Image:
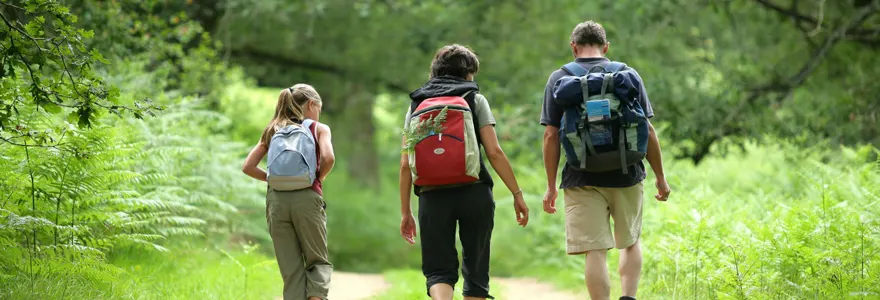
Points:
(451, 156)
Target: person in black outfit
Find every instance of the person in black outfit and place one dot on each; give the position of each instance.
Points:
(470, 206)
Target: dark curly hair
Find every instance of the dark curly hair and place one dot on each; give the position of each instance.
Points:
(589, 33)
(454, 60)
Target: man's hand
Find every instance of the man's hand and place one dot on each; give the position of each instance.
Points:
(662, 189)
(408, 228)
(522, 210)
(550, 200)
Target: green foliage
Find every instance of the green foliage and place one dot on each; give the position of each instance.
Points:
(259, 103)
(123, 207)
(713, 71)
(76, 194)
(766, 223)
(182, 273)
(130, 185)
(415, 133)
(45, 62)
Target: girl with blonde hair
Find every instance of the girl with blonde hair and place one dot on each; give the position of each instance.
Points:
(296, 217)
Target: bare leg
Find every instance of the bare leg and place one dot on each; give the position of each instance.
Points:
(441, 291)
(630, 269)
(597, 280)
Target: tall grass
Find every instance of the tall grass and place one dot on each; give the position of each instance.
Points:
(771, 222)
(183, 273)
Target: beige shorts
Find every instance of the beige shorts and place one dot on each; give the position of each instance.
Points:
(587, 212)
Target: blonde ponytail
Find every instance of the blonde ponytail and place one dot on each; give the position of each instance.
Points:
(290, 108)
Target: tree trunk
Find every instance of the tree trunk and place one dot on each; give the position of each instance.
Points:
(354, 132)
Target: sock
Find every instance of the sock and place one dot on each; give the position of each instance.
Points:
(627, 298)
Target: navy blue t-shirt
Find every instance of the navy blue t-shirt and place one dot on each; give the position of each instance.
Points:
(551, 115)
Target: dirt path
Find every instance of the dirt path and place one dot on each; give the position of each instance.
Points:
(530, 288)
(355, 286)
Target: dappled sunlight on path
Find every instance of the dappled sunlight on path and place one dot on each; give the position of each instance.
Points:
(354, 286)
(530, 288)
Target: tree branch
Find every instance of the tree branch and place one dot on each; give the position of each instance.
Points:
(866, 36)
(21, 31)
(9, 141)
(860, 17)
(318, 66)
(13, 6)
(785, 87)
(793, 13)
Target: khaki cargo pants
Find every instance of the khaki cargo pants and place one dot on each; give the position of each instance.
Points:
(587, 213)
(298, 226)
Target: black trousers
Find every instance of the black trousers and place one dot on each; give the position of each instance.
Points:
(473, 208)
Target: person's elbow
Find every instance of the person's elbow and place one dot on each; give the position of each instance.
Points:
(404, 165)
(652, 133)
(551, 136)
(494, 153)
(328, 159)
(246, 168)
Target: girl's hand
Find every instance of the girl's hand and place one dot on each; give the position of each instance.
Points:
(408, 228)
(521, 209)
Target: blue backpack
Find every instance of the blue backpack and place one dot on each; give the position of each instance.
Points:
(604, 127)
(292, 162)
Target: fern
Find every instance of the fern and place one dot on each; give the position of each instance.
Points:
(415, 133)
(72, 194)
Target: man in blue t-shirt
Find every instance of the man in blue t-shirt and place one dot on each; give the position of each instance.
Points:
(591, 198)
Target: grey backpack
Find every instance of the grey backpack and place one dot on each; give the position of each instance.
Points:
(292, 161)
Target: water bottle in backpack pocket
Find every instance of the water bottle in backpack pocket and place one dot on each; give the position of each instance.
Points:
(603, 127)
(291, 159)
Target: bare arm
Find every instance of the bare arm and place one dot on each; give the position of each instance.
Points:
(407, 222)
(551, 154)
(253, 159)
(328, 159)
(655, 157)
(405, 185)
(502, 167)
(498, 159)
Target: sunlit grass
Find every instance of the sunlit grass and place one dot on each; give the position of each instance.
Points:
(204, 273)
(183, 273)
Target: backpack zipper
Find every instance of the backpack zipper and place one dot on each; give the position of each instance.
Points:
(441, 137)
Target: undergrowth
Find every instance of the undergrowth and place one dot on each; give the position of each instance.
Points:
(185, 272)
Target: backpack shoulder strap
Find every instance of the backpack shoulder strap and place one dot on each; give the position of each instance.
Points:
(614, 66)
(307, 123)
(471, 98)
(412, 107)
(311, 126)
(575, 69)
